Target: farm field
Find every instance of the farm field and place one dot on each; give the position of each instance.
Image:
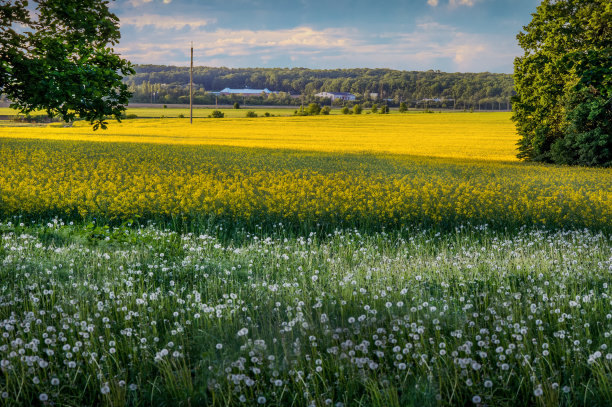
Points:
(480, 136)
(309, 261)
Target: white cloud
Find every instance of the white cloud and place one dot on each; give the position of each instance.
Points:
(165, 22)
(429, 46)
(432, 3)
(456, 3)
(136, 3)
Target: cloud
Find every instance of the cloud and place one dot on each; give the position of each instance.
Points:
(137, 3)
(164, 22)
(429, 46)
(456, 3)
(432, 3)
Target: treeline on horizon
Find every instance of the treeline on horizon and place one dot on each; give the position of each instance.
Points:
(169, 85)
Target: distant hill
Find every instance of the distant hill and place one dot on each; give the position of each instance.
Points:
(168, 84)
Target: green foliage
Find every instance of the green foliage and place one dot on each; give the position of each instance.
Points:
(563, 83)
(403, 108)
(251, 113)
(325, 110)
(345, 110)
(357, 109)
(313, 109)
(384, 109)
(217, 114)
(587, 131)
(236, 105)
(374, 108)
(63, 63)
(492, 90)
(181, 116)
(301, 112)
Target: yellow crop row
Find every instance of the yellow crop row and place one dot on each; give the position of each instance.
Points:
(486, 136)
(123, 180)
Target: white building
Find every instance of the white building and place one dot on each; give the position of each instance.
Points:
(336, 95)
(245, 92)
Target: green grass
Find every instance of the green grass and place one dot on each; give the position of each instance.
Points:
(147, 316)
(171, 111)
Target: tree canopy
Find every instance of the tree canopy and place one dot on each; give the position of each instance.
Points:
(563, 106)
(58, 58)
(167, 84)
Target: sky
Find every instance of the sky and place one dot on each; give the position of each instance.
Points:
(445, 35)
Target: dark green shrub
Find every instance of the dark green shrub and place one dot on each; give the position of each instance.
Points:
(313, 109)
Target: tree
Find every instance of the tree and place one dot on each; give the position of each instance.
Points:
(563, 106)
(63, 63)
(357, 109)
(236, 105)
(403, 108)
(313, 109)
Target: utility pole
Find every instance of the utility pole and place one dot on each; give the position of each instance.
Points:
(191, 87)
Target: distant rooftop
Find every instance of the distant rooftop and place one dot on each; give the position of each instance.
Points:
(245, 91)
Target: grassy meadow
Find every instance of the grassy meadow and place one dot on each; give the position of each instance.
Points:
(373, 260)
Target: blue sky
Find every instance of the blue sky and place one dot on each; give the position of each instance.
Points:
(449, 35)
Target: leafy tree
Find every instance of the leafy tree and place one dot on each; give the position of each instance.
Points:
(217, 114)
(563, 81)
(384, 109)
(403, 108)
(313, 109)
(465, 88)
(345, 110)
(357, 109)
(251, 113)
(325, 110)
(236, 105)
(374, 108)
(63, 63)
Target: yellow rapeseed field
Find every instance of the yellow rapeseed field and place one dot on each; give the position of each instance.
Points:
(297, 169)
(488, 136)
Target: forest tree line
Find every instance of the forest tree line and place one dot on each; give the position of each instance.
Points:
(169, 85)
